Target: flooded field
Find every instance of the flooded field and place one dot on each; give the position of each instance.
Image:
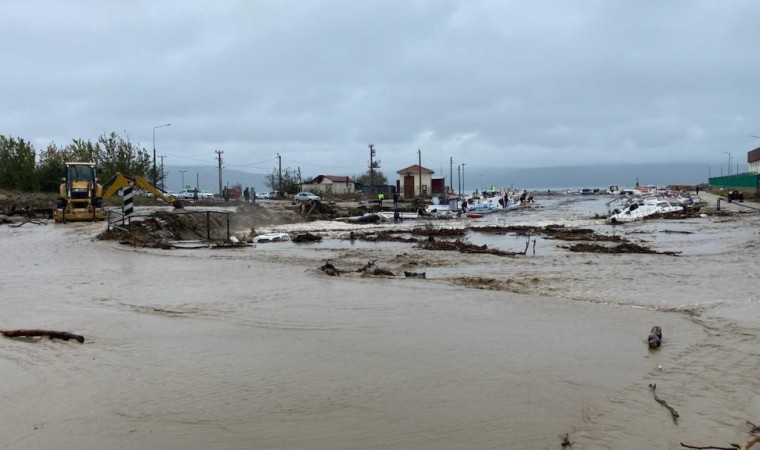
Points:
(256, 348)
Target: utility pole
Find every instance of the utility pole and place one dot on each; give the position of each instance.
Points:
(371, 171)
(197, 181)
(219, 158)
(419, 166)
(279, 174)
(163, 175)
(451, 174)
(183, 178)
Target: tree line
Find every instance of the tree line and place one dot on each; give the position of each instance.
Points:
(23, 168)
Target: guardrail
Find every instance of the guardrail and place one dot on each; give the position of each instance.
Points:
(118, 220)
(754, 208)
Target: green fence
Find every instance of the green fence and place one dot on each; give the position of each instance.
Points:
(747, 182)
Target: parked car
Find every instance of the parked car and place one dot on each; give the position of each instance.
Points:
(305, 197)
(185, 193)
(190, 194)
(270, 195)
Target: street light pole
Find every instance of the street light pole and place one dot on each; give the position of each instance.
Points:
(155, 173)
(729, 162)
(464, 189)
(183, 178)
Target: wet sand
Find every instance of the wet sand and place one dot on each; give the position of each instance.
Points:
(256, 348)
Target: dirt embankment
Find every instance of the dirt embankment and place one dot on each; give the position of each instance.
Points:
(15, 202)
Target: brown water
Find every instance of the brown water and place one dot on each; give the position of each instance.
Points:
(254, 348)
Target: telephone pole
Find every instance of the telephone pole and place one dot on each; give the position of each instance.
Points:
(219, 158)
(451, 174)
(371, 169)
(419, 166)
(279, 175)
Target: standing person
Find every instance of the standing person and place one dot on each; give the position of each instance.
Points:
(380, 198)
(253, 195)
(246, 194)
(195, 195)
(395, 200)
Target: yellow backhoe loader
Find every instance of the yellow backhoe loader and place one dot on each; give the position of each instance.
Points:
(82, 196)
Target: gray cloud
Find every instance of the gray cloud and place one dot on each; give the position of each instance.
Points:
(523, 84)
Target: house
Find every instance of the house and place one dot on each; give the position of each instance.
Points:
(414, 181)
(753, 158)
(329, 184)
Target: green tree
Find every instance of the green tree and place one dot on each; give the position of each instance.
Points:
(50, 168)
(379, 178)
(116, 154)
(291, 180)
(17, 159)
(82, 151)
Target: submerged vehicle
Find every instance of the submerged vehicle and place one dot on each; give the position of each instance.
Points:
(82, 197)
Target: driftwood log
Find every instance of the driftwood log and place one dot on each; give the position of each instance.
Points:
(746, 446)
(414, 274)
(64, 335)
(673, 412)
(329, 269)
(754, 439)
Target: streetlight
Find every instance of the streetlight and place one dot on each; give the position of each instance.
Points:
(183, 178)
(464, 189)
(729, 162)
(155, 173)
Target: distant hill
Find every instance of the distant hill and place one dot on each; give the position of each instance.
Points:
(208, 178)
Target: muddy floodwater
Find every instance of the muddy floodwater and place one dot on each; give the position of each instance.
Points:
(256, 348)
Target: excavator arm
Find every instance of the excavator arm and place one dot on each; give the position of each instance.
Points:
(143, 183)
(119, 181)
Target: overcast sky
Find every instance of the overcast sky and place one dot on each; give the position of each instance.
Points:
(487, 83)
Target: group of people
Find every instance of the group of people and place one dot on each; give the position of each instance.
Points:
(249, 195)
(381, 197)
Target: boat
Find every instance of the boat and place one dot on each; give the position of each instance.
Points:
(493, 204)
(271, 237)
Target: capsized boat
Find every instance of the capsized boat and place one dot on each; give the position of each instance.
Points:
(639, 210)
(272, 237)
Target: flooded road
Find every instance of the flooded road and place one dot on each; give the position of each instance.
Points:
(255, 348)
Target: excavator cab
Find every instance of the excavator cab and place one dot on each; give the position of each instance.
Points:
(80, 195)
